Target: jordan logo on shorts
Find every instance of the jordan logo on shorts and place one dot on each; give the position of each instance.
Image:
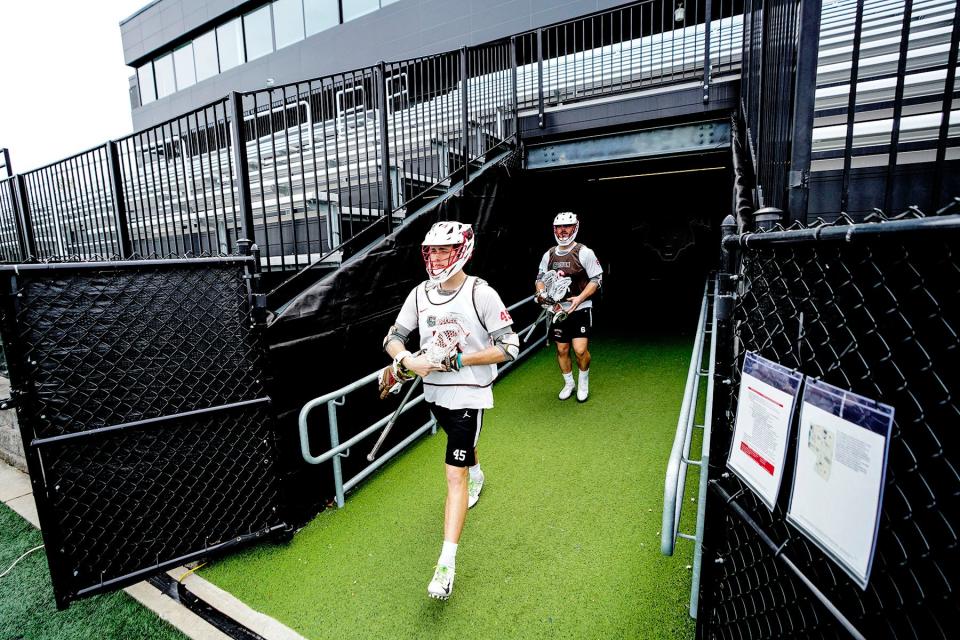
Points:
(466, 414)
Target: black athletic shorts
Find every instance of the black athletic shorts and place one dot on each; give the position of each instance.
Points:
(463, 430)
(577, 325)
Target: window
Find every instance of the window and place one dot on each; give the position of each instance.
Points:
(320, 15)
(148, 92)
(356, 8)
(205, 56)
(183, 64)
(163, 69)
(258, 33)
(230, 44)
(288, 22)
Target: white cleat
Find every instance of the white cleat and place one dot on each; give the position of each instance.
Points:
(442, 584)
(473, 491)
(583, 391)
(567, 390)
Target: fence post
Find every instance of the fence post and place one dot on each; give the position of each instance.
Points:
(22, 205)
(516, 96)
(465, 114)
(119, 203)
(8, 169)
(706, 51)
(540, 110)
(18, 225)
(767, 218)
(803, 107)
(386, 192)
(241, 166)
(334, 443)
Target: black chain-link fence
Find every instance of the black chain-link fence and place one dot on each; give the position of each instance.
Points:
(873, 308)
(140, 393)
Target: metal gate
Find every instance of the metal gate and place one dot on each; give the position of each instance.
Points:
(139, 388)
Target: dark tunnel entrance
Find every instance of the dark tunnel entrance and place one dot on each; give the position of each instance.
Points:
(654, 225)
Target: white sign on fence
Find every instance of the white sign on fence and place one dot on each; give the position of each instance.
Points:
(764, 411)
(837, 493)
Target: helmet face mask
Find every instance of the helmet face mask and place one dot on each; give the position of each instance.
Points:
(565, 227)
(446, 249)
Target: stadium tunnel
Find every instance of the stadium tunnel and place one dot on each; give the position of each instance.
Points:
(650, 203)
(653, 222)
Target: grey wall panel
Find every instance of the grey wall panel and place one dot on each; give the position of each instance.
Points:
(402, 30)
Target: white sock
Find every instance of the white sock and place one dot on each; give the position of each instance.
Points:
(583, 376)
(568, 379)
(475, 473)
(448, 555)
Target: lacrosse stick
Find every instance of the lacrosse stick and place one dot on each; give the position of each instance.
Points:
(441, 351)
(555, 288)
(543, 314)
(393, 419)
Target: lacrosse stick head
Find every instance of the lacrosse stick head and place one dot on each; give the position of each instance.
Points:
(446, 249)
(556, 286)
(448, 338)
(565, 227)
(562, 314)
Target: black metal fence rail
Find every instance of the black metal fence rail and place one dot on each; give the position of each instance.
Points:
(779, 71)
(874, 308)
(320, 162)
(176, 186)
(72, 209)
(10, 240)
(647, 43)
(885, 100)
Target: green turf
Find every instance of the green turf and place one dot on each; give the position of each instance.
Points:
(27, 608)
(564, 543)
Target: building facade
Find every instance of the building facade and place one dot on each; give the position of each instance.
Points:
(187, 54)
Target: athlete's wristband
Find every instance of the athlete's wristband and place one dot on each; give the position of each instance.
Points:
(459, 361)
(398, 359)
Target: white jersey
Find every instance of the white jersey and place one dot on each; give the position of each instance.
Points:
(480, 312)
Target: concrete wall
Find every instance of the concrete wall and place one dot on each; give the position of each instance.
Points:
(399, 31)
(11, 447)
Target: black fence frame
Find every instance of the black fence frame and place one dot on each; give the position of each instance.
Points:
(42, 447)
(761, 578)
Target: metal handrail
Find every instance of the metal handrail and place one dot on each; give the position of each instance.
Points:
(704, 463)
(676, 476)
(336, 398)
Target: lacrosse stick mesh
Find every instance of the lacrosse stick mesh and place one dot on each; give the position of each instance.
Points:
(449, 337)
(555, 287)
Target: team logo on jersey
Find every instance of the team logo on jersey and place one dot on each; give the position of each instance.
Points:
(432, 319)
(562, 264)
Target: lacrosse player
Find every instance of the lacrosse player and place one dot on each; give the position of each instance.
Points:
(476, 329)
(573, 314)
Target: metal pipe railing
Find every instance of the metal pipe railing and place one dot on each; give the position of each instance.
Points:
(704, 464)
(676, 475)
(339, 449)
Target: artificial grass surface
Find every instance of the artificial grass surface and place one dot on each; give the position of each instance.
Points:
(27, 608)
(564, 543)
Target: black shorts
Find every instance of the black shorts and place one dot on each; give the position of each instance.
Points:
(577, 325)
(462, 427)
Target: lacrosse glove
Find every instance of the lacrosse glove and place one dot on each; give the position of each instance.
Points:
(394, 375)
(452, 362)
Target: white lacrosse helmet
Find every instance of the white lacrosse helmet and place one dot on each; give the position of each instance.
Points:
(566, 218)
(459, 237)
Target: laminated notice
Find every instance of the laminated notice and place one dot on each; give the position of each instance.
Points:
(841, 462)
(768, 392)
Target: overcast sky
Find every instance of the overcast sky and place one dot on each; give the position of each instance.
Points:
(63, 85)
